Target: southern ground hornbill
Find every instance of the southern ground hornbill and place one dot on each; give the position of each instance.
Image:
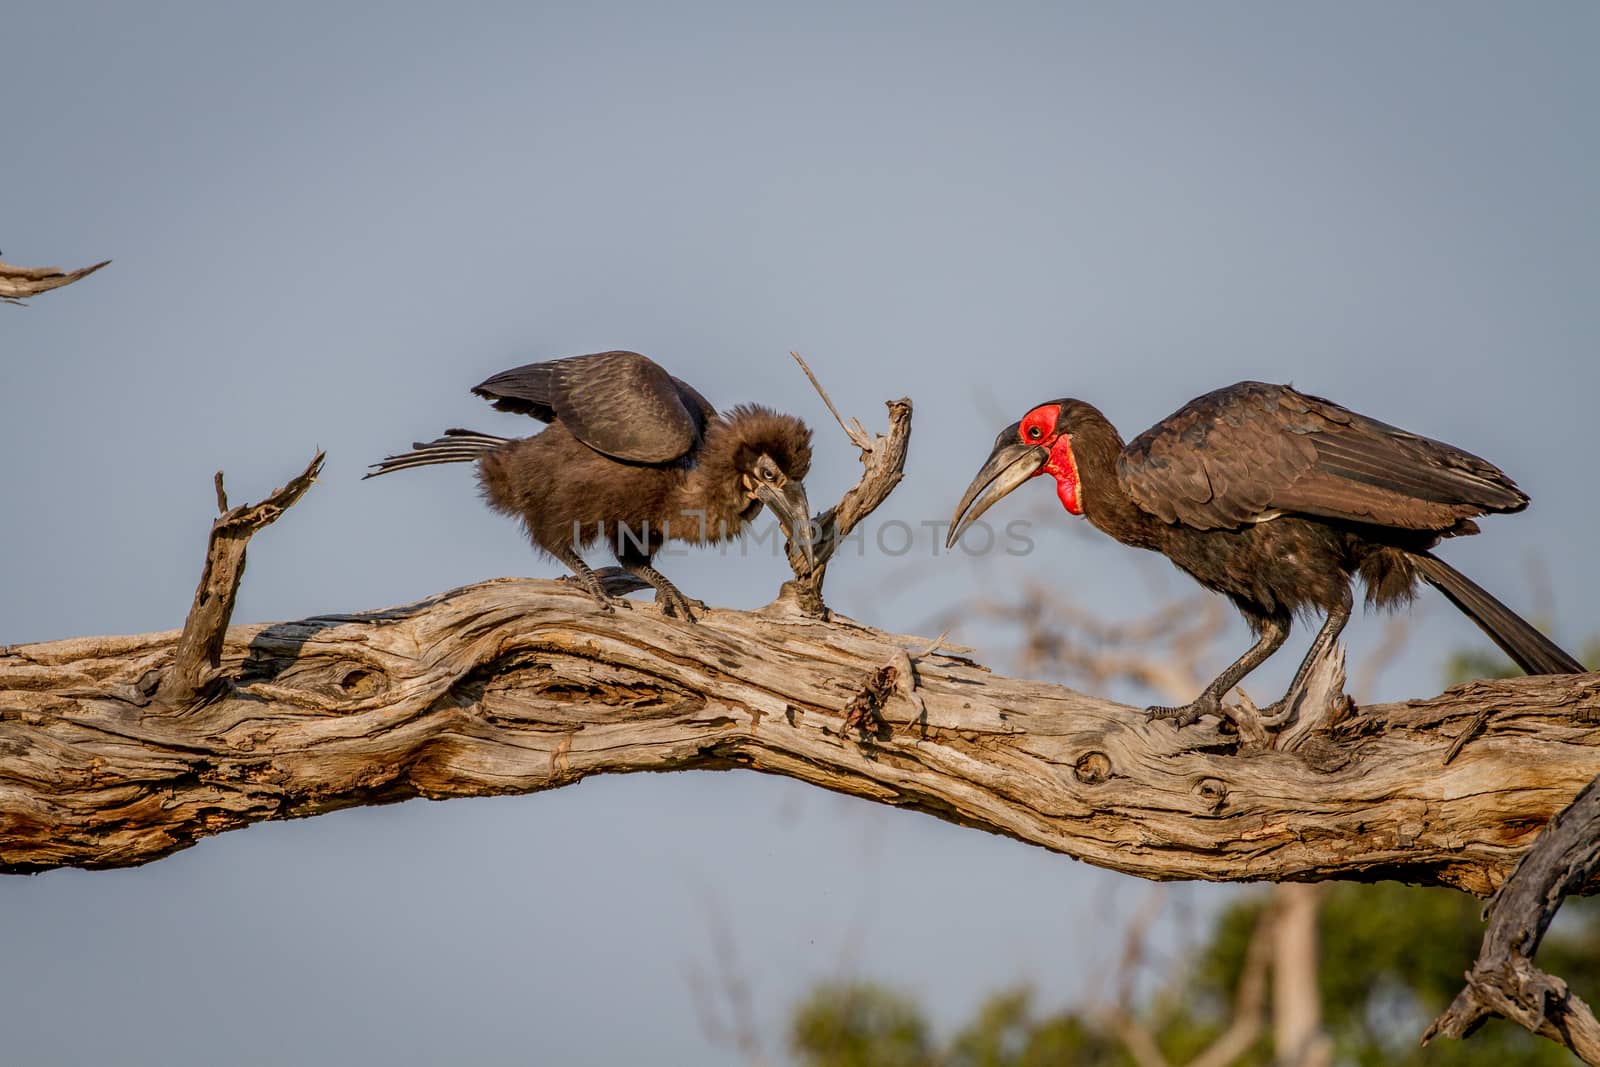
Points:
(632, 457)
(1274, 499)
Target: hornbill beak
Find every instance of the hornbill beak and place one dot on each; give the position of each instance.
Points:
(1009, 465)
(794, 515)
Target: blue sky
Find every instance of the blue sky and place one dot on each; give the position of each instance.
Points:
(328, 223)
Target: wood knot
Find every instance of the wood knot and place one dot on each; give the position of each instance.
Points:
(1213, 792)
(360, 682)
(1092, 768)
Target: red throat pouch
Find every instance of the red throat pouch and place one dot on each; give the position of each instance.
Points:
(1064, 469)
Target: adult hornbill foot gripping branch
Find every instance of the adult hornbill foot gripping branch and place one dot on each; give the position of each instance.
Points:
(633, 457)
(1275, 499)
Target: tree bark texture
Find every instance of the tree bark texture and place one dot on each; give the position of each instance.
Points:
(197, 662)
(515, 686)
(1504, 980)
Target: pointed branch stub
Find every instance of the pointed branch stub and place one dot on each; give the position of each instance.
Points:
(883, 459)
(19, 282)
(199, 652)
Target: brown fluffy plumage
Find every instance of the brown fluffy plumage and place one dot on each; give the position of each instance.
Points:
(566, 493)
(632, 458)
(1275, 499)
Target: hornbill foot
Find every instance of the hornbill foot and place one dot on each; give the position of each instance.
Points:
(675, 604)
(591, 584)
(1204, 704)
(604, 601)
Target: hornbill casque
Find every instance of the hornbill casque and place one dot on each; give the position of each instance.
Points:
(633, 457)
(1275, 499)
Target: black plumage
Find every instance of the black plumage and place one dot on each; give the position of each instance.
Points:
(632, 457)
(620, 404)
(1275, 499)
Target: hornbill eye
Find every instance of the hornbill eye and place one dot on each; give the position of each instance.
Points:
(769, 474)
(1035, 433)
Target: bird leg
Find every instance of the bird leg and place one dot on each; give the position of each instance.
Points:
(1274, 631)
(568, 554)
(636, 562)
(1320, 646)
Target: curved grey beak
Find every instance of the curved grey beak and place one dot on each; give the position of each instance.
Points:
(794, 515)
(1009, 465)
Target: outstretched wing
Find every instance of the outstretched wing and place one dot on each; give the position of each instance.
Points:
(1251, 451)
(619, 403)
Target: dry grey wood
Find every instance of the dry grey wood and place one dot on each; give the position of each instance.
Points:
(18, 282)
(515, 686)
(883, 460)
(1504, 980)
(195, 664)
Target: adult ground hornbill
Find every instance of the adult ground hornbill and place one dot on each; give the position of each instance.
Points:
(1274, 499)
(633, 457)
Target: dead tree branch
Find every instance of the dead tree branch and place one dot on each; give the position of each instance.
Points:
(1120, 1017)
(195, 664)
(1504, 980)
(883, 459)
(16, 283)
(516, 686)
(723, 998)
(1245, 1025)
(1249, 1001)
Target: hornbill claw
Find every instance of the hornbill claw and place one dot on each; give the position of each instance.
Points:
(1188, 714)
(675, 604)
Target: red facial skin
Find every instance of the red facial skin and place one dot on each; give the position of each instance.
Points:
(1039, 428)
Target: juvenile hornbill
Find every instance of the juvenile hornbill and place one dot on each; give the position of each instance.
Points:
(632, 456)
(1274, 499)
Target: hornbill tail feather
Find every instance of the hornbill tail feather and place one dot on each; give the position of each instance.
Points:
(456, 446)
(1531, 650)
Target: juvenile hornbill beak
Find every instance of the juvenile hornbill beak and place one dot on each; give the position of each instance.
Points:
(794, 515)
(1009, 465)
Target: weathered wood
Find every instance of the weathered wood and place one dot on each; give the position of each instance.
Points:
(195, 664)
(1504, 980)
(19, 282)
(515, 686)
(883, 461)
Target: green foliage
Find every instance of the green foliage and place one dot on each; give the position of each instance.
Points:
(1006, 1033)
(1478, 663)
(1486, 663)
(1392, 958)
(859, 1024)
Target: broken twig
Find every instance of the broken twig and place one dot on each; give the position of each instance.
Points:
(199, 652)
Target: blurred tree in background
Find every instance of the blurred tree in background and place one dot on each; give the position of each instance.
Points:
(1392, 958)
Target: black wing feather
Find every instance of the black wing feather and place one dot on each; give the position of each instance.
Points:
(621, 404)
(1243, 453)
